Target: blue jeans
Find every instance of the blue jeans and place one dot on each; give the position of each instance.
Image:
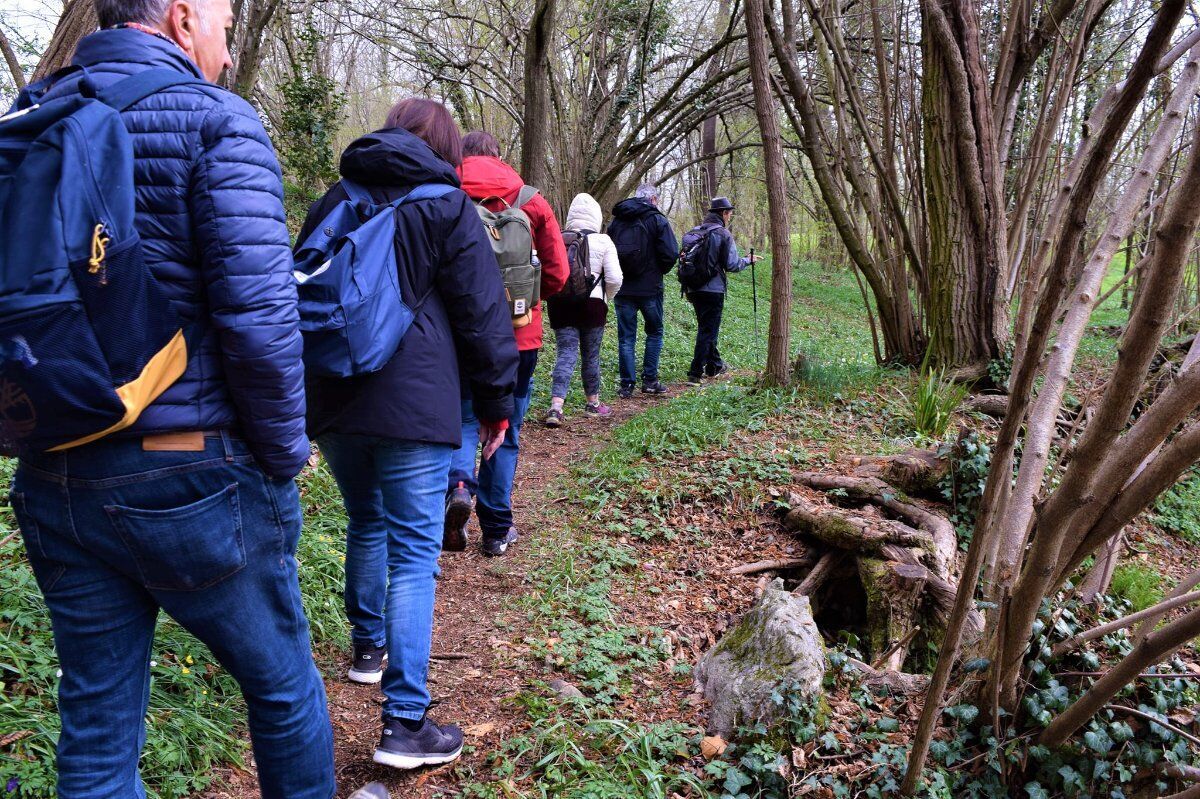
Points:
(493, 485)
(115, 534)
(393, 490)
(651, 309)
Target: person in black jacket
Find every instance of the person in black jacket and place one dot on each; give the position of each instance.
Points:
(647, 249)
(388, 436)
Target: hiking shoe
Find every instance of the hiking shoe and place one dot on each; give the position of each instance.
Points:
(720, 370)
(625, 392)
(458, 513)
(431, 745)
(553, 418)
(374, 790)
(597, 409)
(368, 664)
(693, 380)
(495, 547)
(655, 387)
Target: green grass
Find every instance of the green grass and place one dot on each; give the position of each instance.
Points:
(1141, 586)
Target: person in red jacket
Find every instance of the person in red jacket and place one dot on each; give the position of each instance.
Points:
(484, 176)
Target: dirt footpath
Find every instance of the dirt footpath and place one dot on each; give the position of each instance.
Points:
(472, 672)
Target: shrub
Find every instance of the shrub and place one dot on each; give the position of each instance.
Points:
(933, 403)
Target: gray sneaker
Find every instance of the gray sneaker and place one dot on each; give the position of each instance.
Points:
(495, 547)
(374, 790)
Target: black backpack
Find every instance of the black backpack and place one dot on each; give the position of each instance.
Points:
(698, 262)
(635, 249)
(580, 282)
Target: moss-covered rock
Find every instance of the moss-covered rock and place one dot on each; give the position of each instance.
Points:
(775, 645)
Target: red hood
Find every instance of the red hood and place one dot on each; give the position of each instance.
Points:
(485, 176)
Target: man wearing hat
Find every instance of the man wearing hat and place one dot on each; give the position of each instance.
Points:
(712, 254)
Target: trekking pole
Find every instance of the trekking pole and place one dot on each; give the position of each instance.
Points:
(754, 296)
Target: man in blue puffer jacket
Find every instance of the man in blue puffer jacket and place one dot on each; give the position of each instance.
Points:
(194, 509)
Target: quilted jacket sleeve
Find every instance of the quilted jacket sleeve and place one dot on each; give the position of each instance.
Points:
(242, 241)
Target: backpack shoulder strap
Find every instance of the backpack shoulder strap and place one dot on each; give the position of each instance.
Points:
(526, 194)
(427, 191)
(128, 91)
(357, 193)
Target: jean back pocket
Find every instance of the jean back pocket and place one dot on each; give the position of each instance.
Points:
(187, 548)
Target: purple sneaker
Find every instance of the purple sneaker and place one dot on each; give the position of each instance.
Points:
(597, 409)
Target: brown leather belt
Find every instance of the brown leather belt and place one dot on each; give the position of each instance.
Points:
(181, 441)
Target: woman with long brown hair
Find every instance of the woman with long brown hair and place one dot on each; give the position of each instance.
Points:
(388, 436)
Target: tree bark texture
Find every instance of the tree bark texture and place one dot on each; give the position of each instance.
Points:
(253, 18)
(78, 20)
(779, 330)
(968, 319)
(14, 65)
(536, 116)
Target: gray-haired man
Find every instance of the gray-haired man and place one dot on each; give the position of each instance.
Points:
(193, 510)
(647, 249)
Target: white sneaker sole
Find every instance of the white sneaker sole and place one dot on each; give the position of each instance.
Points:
(365, 677)
(408, 762)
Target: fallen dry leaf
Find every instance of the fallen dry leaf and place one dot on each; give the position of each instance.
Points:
(479, 730)
(712, 746)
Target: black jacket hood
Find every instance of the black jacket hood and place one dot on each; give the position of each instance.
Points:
(634, 208)
(394, 157)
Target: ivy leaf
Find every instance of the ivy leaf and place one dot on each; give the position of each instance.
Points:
(1036, 791)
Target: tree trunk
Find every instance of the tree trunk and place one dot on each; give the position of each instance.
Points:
(779, 331)
(78, 20)
(968, 319)
(251, 29)
(14, 65)
(536, 121)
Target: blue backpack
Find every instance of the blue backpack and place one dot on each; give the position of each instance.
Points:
(88, 339)
(352, 312)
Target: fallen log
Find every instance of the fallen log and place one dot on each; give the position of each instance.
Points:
(771, 565)
(819, 573)
(854, 532)
(868, 489)
(918, 471)
(894, 682)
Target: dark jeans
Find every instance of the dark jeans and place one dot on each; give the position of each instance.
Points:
(394, 493)
(493, 483)
(115, 534)
(706, 358)
(651, 309)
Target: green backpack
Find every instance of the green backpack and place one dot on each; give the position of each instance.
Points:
(511, 236)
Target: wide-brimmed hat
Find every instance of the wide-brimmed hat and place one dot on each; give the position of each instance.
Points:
(720, 204)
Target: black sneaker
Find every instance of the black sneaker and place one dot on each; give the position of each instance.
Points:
(554, 418)
(655, 387)
(693, 380)
(494, 547)
(373, 790)
(720, 370)
(431, 745)
(368, 665)
(625, 392)
(458, 513)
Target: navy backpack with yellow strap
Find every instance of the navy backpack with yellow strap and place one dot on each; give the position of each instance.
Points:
(88, 339)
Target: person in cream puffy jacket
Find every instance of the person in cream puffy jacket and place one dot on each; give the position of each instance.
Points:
(578, 322)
